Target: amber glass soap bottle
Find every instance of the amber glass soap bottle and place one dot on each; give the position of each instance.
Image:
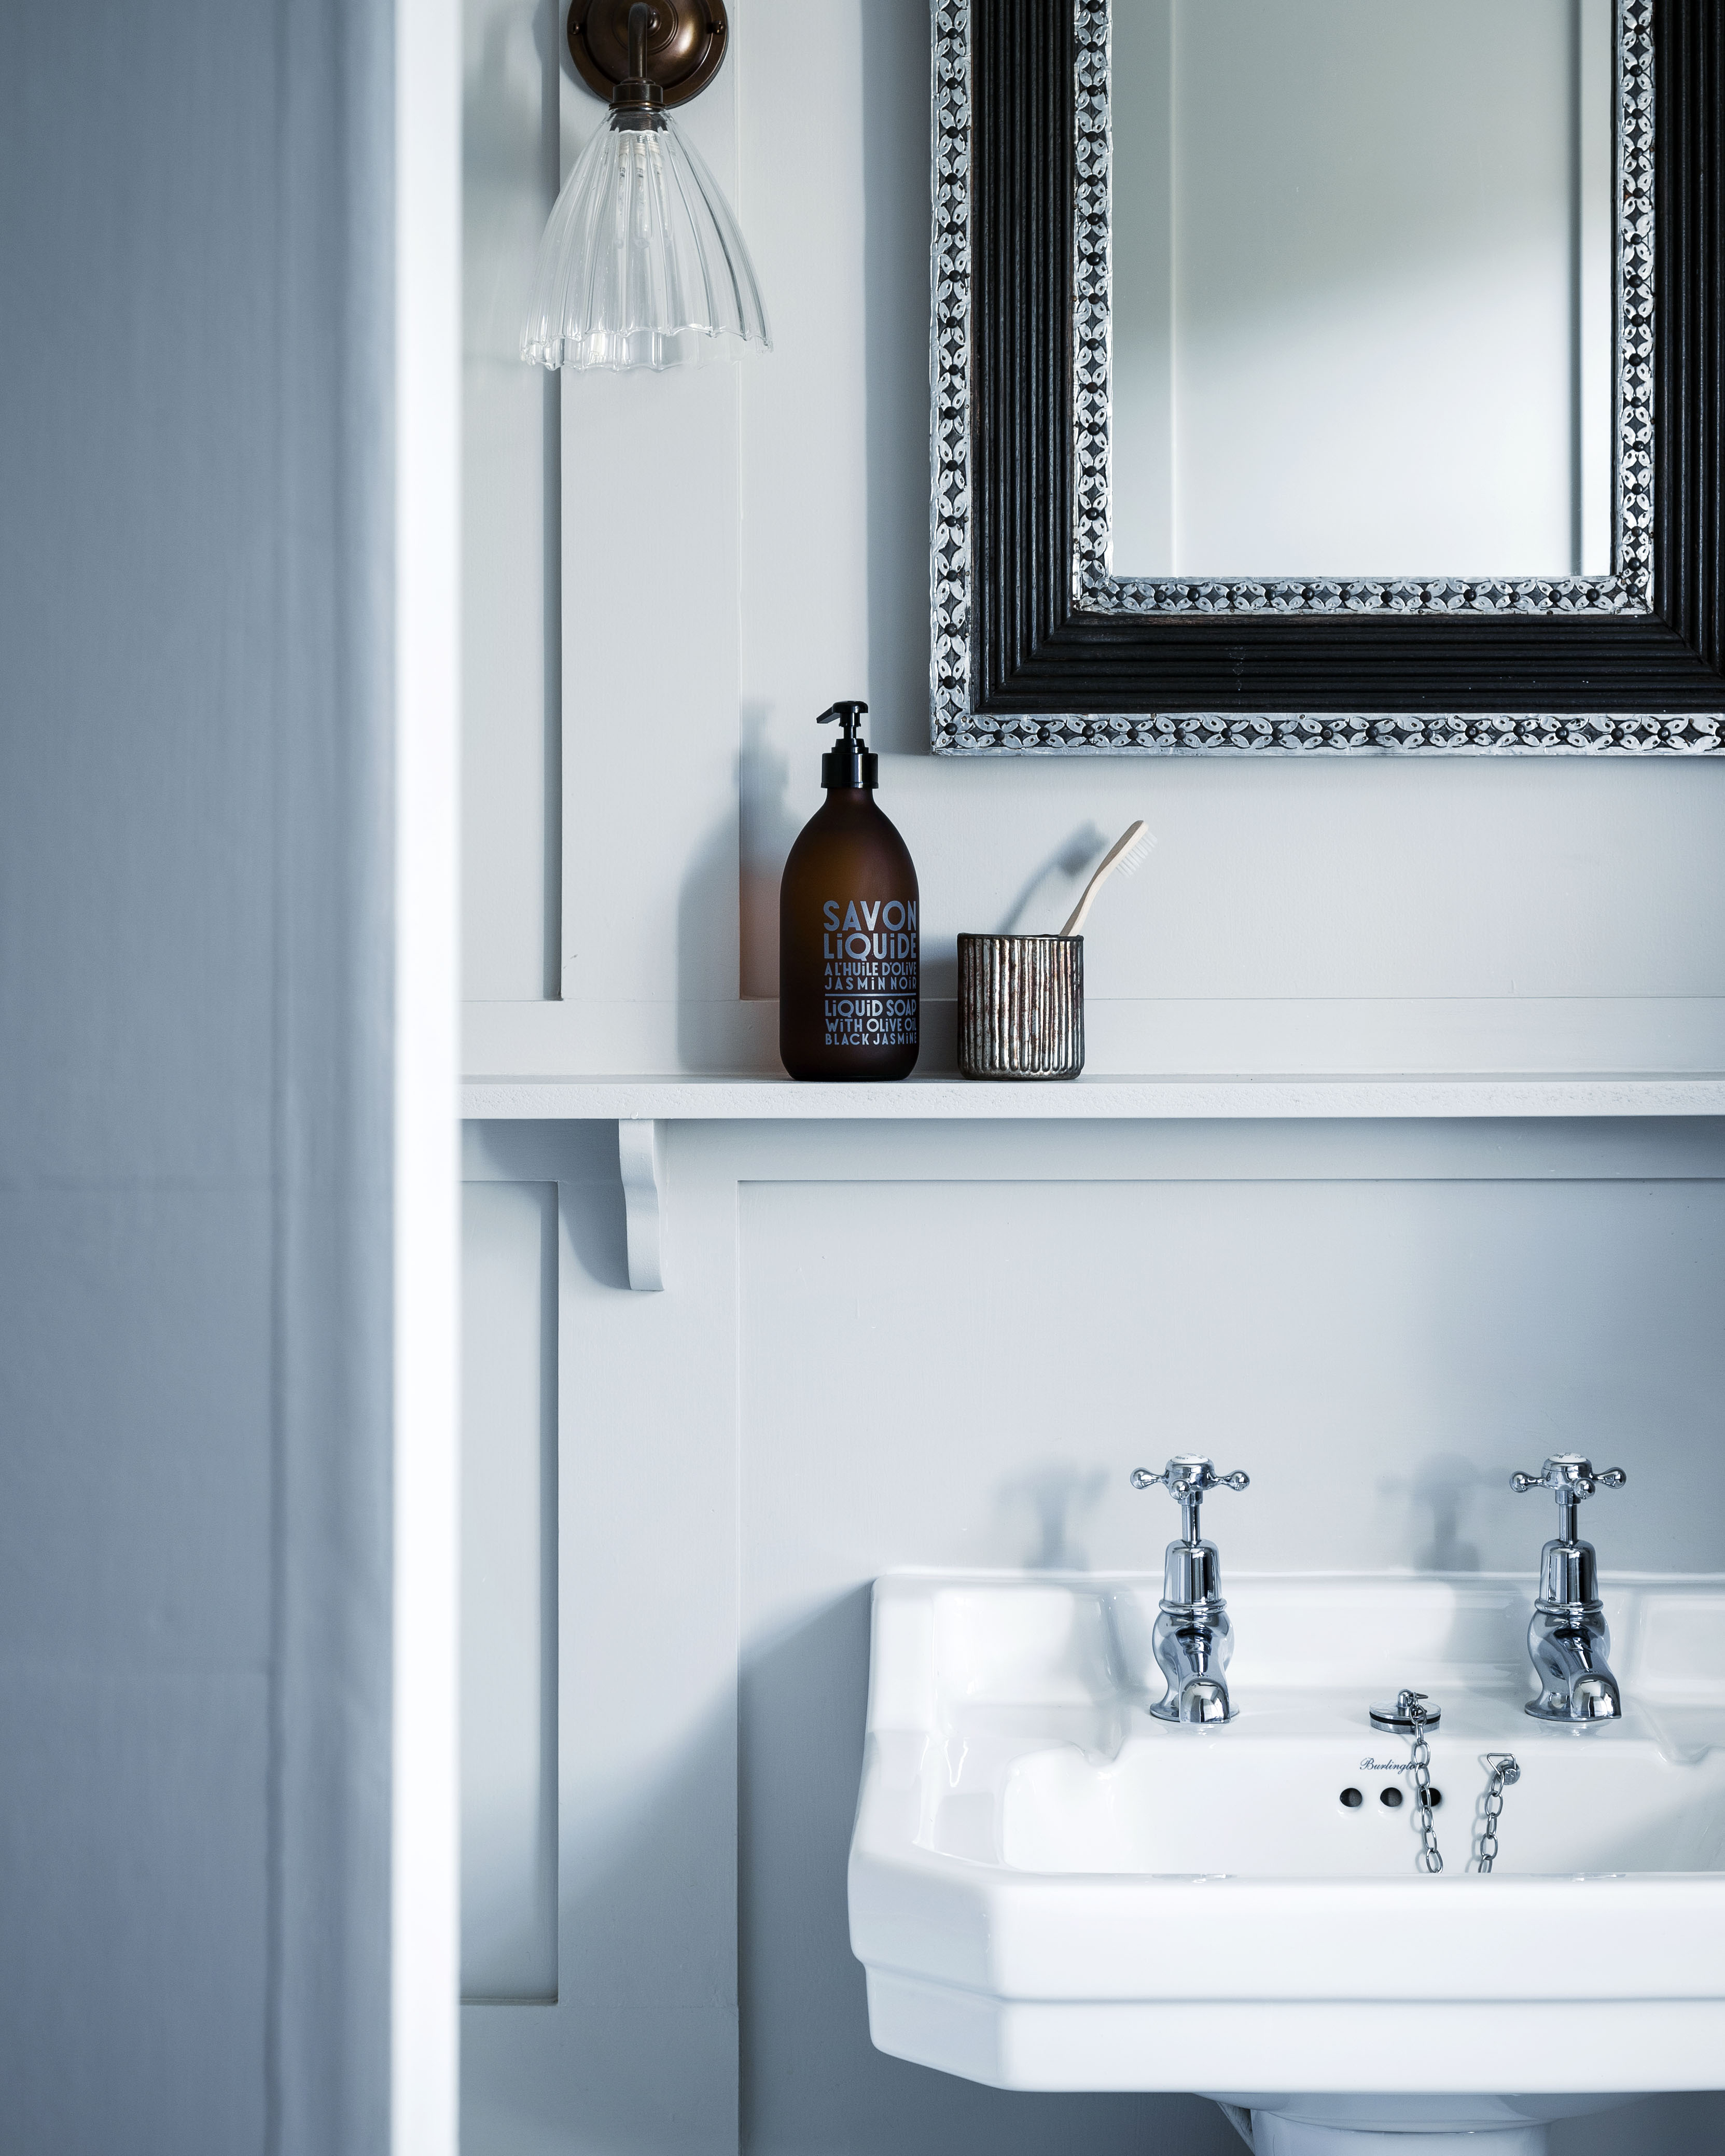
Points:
(849, 1000)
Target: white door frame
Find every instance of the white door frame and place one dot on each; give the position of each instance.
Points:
(425, 1940)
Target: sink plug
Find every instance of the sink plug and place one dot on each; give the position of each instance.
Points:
(1193, 1639)
(1568, 1639)
(1407, 1711)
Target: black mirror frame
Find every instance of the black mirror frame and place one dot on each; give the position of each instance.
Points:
(1039, 670)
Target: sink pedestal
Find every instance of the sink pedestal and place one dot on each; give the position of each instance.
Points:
(1274, 2135)
(1361, 2125)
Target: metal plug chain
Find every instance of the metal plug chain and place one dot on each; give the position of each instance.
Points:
(1412, 1712)
(1429, 1859)
(1504, 1771)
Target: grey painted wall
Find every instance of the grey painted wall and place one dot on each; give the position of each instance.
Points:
(1372, 915)
(946, 1344)
(194, 753)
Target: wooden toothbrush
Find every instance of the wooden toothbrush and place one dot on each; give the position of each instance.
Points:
(1128, 853)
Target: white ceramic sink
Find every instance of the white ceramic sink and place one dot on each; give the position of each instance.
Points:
(1052, 1891)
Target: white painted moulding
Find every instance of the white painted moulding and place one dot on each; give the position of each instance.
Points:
(1443, 1036)
(721, 1098)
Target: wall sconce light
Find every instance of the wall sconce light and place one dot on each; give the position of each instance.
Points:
(642, 263)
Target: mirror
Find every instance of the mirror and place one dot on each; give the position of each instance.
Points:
(1327, 376)
(1361, 288)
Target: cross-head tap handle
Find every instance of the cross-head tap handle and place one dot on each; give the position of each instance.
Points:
(1569, 1476)
(1186, 1478)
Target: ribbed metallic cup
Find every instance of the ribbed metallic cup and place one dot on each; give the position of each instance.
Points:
(1021, 1006)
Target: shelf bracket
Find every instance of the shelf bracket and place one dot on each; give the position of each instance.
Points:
(641, 1160)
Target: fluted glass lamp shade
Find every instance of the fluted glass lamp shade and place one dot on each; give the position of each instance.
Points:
(642, 263)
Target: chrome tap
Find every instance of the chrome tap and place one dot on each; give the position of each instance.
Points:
(1193, 1639)
(1569, 1639)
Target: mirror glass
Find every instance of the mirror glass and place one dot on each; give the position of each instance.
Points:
(1362, 288)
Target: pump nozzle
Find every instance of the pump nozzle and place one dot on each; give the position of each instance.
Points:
(851, 763)
(850, 718)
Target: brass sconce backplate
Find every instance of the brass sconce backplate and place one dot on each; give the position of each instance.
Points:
(685, 44)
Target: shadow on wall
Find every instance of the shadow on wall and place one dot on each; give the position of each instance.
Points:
(1440, 1494)
(1042, 906)
(1657, 2125)
(708, 961)
(1508, 1336)
(1056, 1498)
(768, 828)
(584, 1158)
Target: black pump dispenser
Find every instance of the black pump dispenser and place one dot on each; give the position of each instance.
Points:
(851, 762)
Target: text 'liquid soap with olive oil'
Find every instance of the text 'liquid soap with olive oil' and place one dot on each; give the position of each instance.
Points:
(849, 954)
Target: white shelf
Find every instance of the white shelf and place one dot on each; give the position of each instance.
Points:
(944, 1098)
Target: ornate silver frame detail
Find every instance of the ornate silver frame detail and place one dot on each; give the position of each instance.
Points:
(955, 730)
(949, 371)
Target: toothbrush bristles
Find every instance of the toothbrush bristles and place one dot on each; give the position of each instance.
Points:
(1136, 855)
